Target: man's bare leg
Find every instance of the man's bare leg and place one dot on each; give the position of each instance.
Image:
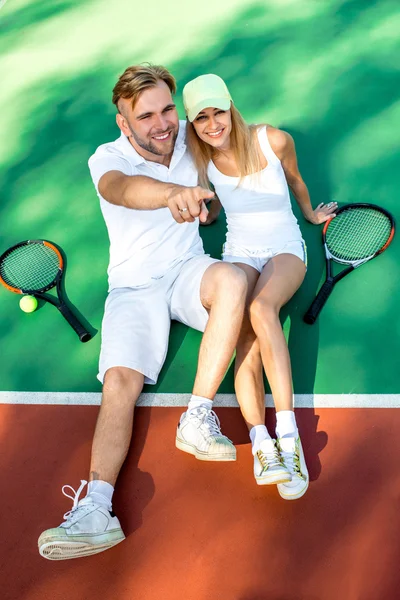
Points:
(223, 294)
(113, 432)
(91, 527)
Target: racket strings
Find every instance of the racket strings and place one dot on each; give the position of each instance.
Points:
(357, 233)
(30, 267)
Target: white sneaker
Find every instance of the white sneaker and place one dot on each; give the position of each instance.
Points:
(88, 528)
(199, 434)
(293, 458)
(268, 464)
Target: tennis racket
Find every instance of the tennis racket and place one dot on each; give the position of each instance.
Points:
(34, 267)
(357, 234)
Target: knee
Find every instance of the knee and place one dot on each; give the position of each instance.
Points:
(123, 383)
(263, 313)
(231, 280)
(224, 283)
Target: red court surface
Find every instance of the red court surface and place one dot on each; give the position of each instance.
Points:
(203, 531)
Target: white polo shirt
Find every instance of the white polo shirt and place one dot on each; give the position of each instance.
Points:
(144, 244)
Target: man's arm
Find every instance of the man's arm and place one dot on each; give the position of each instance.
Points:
(144, 193)
(137, 191)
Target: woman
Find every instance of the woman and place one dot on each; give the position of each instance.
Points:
(251, 168)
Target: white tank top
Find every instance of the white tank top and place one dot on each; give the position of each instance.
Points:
(258, 211)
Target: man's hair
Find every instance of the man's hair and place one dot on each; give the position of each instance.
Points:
(134, 80)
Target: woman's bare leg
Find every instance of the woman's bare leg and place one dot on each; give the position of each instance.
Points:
(280, 279)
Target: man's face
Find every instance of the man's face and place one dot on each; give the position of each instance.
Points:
(153, 124)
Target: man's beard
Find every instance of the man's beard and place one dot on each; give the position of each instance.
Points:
(150, 147)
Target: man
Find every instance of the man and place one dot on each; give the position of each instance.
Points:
(147, 185)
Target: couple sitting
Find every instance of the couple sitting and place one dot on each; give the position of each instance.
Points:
(153, 183)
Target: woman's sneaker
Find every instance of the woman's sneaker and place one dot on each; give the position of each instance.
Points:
(199, 433)
(293, 457)
(268, 465)
(88, 528)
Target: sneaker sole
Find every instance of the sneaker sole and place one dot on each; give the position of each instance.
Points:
(294, 496)
(273, 479)
(64, 550)
(185, 447)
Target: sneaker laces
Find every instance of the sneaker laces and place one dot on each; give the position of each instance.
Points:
(292, 462)
(75, 498)
(269, 459)
(209, 422)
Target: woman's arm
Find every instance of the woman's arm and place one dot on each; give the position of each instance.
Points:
(214, 208)
(283, 146)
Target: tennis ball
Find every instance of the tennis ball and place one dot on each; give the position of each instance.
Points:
(28, 304)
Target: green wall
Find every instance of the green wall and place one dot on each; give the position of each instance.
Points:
(327, 72)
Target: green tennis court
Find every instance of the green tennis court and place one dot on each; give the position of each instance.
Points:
(326, 72)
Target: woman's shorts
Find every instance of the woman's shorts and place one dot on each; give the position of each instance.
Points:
(260, 257)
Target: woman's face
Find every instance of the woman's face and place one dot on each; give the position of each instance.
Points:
(214, 126)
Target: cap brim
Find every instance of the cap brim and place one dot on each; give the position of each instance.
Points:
(221, 103)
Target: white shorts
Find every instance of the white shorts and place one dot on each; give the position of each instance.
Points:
(260, 257)
(137, 320)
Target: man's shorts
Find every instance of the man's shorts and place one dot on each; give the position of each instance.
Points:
(137, 320)
(259, 258)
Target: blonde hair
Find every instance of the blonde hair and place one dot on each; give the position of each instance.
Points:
(244, 146)
(134, 80)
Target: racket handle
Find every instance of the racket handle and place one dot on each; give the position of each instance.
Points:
(76, 325)
(311, 315)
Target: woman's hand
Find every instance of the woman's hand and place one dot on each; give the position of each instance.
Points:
(322, 213)
(214, 208)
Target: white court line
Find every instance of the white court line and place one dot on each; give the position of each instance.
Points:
(221, 400)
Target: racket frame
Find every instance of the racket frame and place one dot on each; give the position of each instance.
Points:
(331, 280)
(59, 302)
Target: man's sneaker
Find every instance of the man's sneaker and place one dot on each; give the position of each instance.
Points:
(292, 454)
(88, 528)
(268, 464)
(199, 434)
